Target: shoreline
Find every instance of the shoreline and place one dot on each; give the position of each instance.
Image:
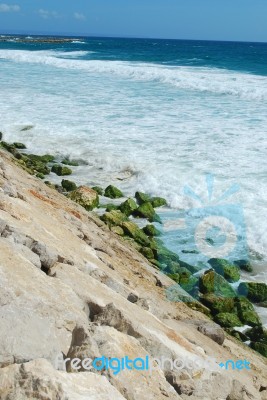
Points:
(119, 213)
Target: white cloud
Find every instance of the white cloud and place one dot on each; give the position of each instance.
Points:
(45, 14)
(9, 8)
(79, 16)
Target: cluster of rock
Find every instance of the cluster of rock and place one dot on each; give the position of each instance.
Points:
(75, 286)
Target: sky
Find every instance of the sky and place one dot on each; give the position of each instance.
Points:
(241, 20)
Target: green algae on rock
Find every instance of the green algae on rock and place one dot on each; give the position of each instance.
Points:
(113, 192)
(61, 170)
(254, 291)
(69, 186)
(128, 207)
(142, 198)
(113, 218)
(98, 190)
(211, 282)
(229, 271)
(86, 197)
(228, 320)
(158, 202)
(151, 230)
(145, 210)
(132, 230)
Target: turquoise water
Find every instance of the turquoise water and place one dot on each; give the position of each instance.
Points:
(153, 115)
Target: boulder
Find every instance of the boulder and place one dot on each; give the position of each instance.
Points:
(132, 230)
(254, 291)
(158, 202)
(113, 192)
(228, 320)
(244, 265)
(218, 304)
(86, 197)
(69, 186)
(260, 347)
(20, 146)
(151, 230)
(142, 197)
(113, 218)
(128, 207)
(61, 170)
(229, 271)
(98, 190)
(246, 312)
(211, 282)
(145, 210)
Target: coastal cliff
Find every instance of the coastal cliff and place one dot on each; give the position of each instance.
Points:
(70, 286)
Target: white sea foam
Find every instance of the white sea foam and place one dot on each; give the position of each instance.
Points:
(221, 82)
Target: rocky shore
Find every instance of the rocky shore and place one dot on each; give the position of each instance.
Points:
(36, 39)
(76, 283)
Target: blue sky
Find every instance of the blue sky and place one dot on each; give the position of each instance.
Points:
(243, 20)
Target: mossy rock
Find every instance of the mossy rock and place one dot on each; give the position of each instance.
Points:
(40, 176)
(110, 207)
(151, 230)
(229, 271)
(218, 304)
(158, 202)
(67, 161)
(85, 197)
(36, 164)
(142, 198)
(258, 334)
(211, 282)
(147, 252)
(190, 285)
(69, 186)
(254, 291)
(185, 275)
(98, 190)
(228, 320)
(50, 184)
(132, 230)
(113, 218)
(244, 265)
(61, 170)
(236, 334)
(193, 269)
(20, 146)
(259, 347)
(145, 210)
(118, 230)
(246, 312)
(46, 158)
(112, 192)
(165, 256)
(175, 277)
(128, 207)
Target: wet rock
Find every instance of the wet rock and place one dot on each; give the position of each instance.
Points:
(128, 207)
(19, 145)
(158, 202)
(85, 197)
(229, 271)
(61, 170)
(69, 186)
(228, 320)
(211, 282)
(113, 218)
(113, 192)
(145, 210)
(98, 190)
(254, 291)
(142, 197)
(244, 265)
(151, 230)
(132, 230)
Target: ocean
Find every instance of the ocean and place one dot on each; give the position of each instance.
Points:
(153, 115)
